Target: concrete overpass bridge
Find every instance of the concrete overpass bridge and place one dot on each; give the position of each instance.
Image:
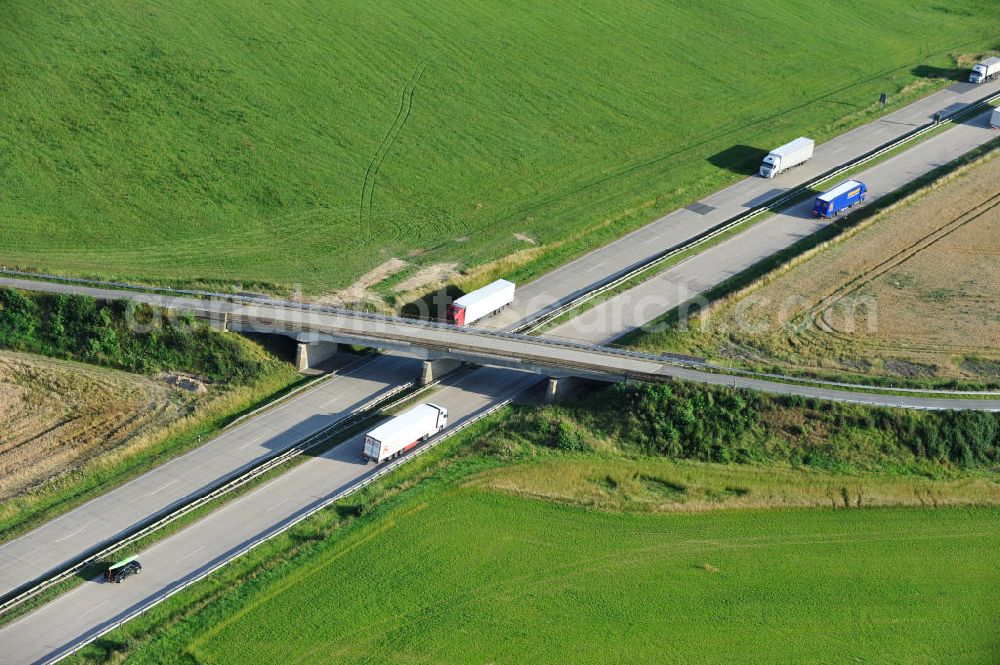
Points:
(442, 347)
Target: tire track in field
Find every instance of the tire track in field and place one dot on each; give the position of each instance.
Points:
(822, 328)
(814, 328)
(539, 582)
(366, 203)
(821, 311)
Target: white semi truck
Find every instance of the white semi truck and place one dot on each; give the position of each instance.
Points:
(987, 70)
(405, 431)
(791, 154)
(481, 302)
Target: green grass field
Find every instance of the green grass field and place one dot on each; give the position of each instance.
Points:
(473, 577)
(290, 142)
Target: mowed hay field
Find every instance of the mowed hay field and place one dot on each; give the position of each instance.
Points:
(476, 577)
(912, 295)
(308, 143)
(55, 416)
(657, 485)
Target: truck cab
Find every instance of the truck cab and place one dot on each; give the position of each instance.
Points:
(787, 156)
(770, 166)
(845, 195)
(456, 315)
(986, 70)
(404, 432)
(442, 419)
(482, 302)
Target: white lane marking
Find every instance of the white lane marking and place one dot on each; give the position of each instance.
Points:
(164, 487)
(103, 602)
(191, 553)
(70, 535)
(252, 441)
(275, 505)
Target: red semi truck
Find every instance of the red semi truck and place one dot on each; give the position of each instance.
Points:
(481, 302)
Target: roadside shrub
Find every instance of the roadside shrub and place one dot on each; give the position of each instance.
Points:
(81, 328)
(716, 424)
(18, 318)
(677, 421)
(567, 437)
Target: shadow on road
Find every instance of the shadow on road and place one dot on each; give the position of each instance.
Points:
(806, 201)
(93, 571)
(765, 197)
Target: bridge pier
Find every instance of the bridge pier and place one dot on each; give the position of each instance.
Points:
(435, 369)
(219, 321)
(310, 354)
(552, 390)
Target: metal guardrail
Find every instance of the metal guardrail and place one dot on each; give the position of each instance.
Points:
(520, 332)
(675, 360)
(365, 482)
(352, 314)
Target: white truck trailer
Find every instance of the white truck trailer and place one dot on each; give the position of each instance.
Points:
(481, 302)
(405, 431)
(791, 154)
(995, 119)
(987, 70)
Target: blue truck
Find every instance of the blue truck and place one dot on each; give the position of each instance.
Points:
(845, 195)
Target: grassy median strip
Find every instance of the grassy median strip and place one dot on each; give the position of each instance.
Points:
(93, 570)
(225, 375)
(735, 230)
(446, 461)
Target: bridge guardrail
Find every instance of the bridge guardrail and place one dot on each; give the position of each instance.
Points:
(546, 316)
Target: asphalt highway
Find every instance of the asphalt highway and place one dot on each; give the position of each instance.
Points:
(542, 355)
(157, 491)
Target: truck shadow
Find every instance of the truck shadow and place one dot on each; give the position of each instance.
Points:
(765, 197)
(740, 159)
(946, 73)
(981, 119)
(432, 305)
(803, 205)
